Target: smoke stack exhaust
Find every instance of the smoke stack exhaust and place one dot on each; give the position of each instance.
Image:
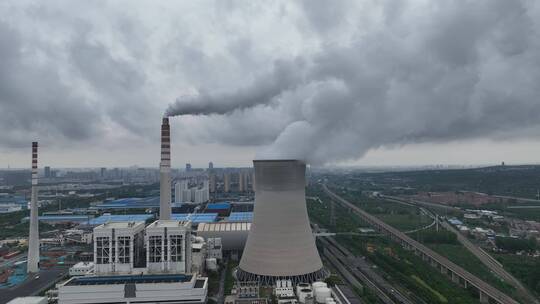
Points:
(165, 172)
(33, 238)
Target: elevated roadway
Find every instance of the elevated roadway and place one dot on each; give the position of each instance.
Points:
(484, 257)
(459, 275)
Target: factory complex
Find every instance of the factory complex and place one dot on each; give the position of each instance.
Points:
(163, 250)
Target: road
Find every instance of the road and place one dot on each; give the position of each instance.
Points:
(221, 291)
(32, 286)
(486, 291)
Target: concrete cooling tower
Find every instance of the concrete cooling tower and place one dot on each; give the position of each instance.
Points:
(280, 244)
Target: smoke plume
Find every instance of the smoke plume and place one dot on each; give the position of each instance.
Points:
(455, 73)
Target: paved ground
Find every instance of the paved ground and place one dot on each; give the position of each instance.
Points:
(32, 286)
(9, 262)
(221, 292)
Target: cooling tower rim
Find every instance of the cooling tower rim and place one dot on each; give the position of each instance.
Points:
(278, 161)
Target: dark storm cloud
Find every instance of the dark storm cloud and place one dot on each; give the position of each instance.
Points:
(322, 81)
(34, 103)
(68, 87)
(431, 73)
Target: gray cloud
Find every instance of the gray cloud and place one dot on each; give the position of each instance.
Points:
(322, 82)
(464, 70)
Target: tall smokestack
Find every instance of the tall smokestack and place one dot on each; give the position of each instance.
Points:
(280, 243)
(165, 172)
(33, 238)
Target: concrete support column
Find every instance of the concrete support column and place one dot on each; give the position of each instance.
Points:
(455, 278)
(444, 270)
(484, 298)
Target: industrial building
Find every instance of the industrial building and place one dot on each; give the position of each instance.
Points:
(195, 218)
(280, 244)
(168, 247)
(222, 209)
(233, 235)
(151, 289)
(118, 247)
(109, 218)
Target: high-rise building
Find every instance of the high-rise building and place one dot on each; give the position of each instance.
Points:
(102, 172)
(280, 225)
(47, 172)
(241, 184)
(188, 167)
(212, 182)
(33, 237)
(227, 182)
(210, 165)
(179, 187)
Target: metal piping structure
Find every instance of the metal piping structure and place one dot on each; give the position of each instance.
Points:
(33, 238)
(165, 172)
(280, 244)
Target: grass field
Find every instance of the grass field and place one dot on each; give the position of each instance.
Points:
(462, 257)
(408, 270)
(405, 222)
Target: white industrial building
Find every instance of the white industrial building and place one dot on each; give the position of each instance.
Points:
(141, 289)
(118, 246)
(168, 247)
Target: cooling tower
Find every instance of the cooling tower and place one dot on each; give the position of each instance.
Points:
(33, 238)
(280, 244)
(165, 172)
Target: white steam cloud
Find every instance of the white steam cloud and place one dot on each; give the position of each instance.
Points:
(461, 71)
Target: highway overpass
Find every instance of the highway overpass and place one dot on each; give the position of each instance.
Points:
(458, 275)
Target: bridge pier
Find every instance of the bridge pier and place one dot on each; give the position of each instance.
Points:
(444, 270)
(484, 298)
(455, 278)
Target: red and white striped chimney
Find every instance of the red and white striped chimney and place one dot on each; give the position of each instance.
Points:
(33, 238)
(165, 171)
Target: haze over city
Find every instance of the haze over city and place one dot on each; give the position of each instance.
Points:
(340, 82)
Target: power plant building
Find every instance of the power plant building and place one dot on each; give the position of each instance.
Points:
(280, 244)
(168, 245)
(118, 247)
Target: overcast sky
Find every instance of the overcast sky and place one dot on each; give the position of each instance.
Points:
(351, 82)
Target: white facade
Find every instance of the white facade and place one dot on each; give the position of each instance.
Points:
(197, 195)
(179, 189)
(117, 246)
(147, 289)
(168, 247)
(81, 268)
